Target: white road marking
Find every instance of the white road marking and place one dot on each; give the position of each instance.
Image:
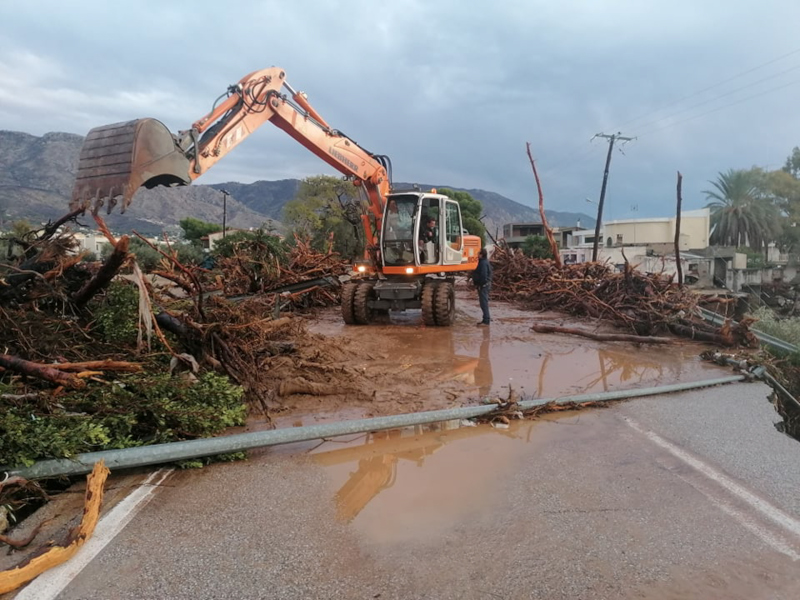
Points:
(51, 583)
(769, 511)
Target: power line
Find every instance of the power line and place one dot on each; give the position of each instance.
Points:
(703, 114)
(579, 154)
(733, 91)
(711, 87)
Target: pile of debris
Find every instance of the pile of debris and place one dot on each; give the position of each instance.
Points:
(644, 304)
(262, 264)
(70, 352)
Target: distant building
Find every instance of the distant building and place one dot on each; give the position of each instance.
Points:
(91, 242)
(514, 234)
(695, 228)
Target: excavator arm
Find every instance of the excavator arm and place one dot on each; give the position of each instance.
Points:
(117, 159)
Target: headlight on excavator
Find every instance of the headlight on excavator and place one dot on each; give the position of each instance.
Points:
(409, 270)
(362, 268)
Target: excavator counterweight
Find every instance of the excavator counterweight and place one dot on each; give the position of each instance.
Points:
(118, 159)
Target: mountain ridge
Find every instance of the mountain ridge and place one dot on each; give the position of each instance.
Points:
(37, 174)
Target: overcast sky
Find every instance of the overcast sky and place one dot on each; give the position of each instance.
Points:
(450, 89)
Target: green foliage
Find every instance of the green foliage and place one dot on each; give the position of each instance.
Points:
(136, 410)
(117, 317)
(792, 166)
(326, 206)
(195, 229)
(148, 258)
(742, 211)
(471, 212)
(260, 244)
(189, 254)
(536, 246)
(19, 230)
(786, 329)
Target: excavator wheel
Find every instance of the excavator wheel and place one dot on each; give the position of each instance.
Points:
(348, 305)
(429, 302)
(363, 312)
(445, 304)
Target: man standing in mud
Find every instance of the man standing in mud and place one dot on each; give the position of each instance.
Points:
(482, 278)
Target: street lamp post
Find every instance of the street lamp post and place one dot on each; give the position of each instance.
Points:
(225, 194)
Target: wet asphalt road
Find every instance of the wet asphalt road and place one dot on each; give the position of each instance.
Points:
(691, 495)
(584, 506)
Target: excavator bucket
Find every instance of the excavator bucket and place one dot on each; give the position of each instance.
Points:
(117, 159)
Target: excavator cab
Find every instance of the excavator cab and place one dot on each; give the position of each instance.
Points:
(421, 231)
(116, 160)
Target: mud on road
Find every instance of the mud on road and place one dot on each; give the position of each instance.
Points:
(399, 365)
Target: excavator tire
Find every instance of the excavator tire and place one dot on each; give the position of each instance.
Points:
(429, 302)
(445, 304)
(348, 307)
(363, 312)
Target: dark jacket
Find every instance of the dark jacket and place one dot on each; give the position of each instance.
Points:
(483, 273)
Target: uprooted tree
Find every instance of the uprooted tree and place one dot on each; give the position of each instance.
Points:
(98, 355)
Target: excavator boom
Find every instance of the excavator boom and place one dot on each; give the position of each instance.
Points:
(118, 159)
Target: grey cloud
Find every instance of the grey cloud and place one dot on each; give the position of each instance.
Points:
(452, 91)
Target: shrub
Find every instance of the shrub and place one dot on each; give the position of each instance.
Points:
(117, 317)
(135, 410)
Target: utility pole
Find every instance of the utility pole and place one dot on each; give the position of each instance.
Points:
(225, 194)
(611, 139)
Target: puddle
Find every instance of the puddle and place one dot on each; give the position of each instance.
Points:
(418, 482)
(485, 361)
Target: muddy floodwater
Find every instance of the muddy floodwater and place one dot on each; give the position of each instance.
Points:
(412, 367)
(418, 482)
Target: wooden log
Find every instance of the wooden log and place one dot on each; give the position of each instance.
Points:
(603, 337)
(51, 556)
(99, 365)
(704, 336)
(32, 369)
(107, 272)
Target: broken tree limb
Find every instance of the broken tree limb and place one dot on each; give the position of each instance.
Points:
(51, 229)
(53, 556)
(603, 337)
(32, 369)
(548, 232)
(722, 338)
(107, 272)
(99, 365)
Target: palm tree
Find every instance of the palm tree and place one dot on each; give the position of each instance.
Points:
(742, 214)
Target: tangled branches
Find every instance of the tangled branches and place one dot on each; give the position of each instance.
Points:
(644, 304)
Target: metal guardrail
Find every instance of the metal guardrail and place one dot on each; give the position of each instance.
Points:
(764, 338)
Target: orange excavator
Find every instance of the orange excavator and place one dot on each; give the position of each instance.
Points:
(415, 243)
